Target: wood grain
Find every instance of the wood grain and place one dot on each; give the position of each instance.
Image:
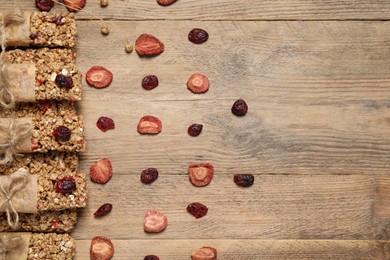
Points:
(248, 249)
(275, 207)
(230, 10)
(318, 96)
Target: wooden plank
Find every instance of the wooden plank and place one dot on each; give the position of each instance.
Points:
(275, 207)
(230, 10)
(248, 249)
(318, 96)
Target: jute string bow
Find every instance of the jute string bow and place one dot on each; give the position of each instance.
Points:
(17, 181)
(9, 244)
(15, 133)
(7, 99)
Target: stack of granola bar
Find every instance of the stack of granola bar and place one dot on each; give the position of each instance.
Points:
(41, 135)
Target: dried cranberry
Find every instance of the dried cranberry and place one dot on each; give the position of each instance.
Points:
(59, 20)
(198, 36)
(103, 210)
(244, 180)
(34, 36)
(149, 175)
(105, 123)
(63, 81)
(240, 108)
(150, 82)
(44, 5)
(195, 129)
(62, 133)
(197, 209)
(151, 257)
(65, 185)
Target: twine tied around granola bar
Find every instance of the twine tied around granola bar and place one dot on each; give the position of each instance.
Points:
(14, 245)
(7, 99)
(15, 138)
(8, 189)
(11, 17)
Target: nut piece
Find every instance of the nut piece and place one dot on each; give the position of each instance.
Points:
(200, 174)
(103, 3)
(105, 30)
(204, 253)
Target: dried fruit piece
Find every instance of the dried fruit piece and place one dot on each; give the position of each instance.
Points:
(62, 134)
(155, 221)
(165, 2)
(149, 175)
(204, 253)
(194, 129)
(240, 108)
(44, 5)
(101, 171)
(103, 3)
(99, 77)
(59, 20)
(101, 248)
(105, 30)
(196, 209)
(150, 82)
(149, 125)
(65, 185)
(103, 210)
(147, 44)
(244, 180)
(63, 81)
(151, 257)
(200, 174)
(75, 5)
(34, 36)
(105, 123)
(198, 83)
(198, 36)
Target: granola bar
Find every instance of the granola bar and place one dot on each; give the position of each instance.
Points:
(40, 29)
(45, 221)
(51, 246)
(46, 117)
(50, 168)
(48, 64)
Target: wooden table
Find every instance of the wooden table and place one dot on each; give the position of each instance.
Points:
(315, 75)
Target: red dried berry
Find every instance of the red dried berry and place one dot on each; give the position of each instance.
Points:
(150, 82)
(244, 180)
(99, 77)
(103, 210)
(198, 83)
(65, 185)
(165, 2)
(198, 36)
(34, 36)
(63, 81)
(196, 209)
(44, 5)
(59, 20)
(75, 5)
(151, 257)
(195, 129)
(240, 108)
(149, 125)
(149, 175)
(62, 134)
(105, 123)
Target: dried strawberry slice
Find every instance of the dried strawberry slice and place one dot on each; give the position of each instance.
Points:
(44, 5)
(200, 174)
(147, 45)
(101, 171)
(204, 253)
(198, 83)
(149, 125)
(101, 248)
(105, 123)
(155, 221)
(75, 5)
(99, 77)
(165, 2)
